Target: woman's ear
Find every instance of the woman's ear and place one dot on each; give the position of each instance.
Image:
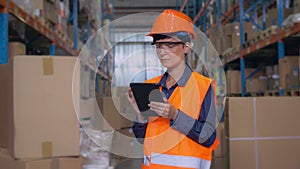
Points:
(187, 47)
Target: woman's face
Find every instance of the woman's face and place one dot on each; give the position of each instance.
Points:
(171, 52)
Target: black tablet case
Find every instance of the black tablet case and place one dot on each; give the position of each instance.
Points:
(144, 93)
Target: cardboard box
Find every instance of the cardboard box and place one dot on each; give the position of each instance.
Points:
(233, 81)
(4, 75)
(255, 85)
(7, 162)
(254, 137)
(125, 144)
(259, 74)
(48, 10)
(233, 30)
(227, 41)
(14, 48)
(296, 8)
(45, 96)
(214, 35)
(70, 32)
(272, 16)
(288, 71)
(219, 163)
(125, 106)
(2, 2)
(221, 149)
(299, 70)
(113, 118)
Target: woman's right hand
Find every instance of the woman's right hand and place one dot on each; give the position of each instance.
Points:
(133, 103)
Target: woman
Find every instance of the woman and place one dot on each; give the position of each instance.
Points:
(183, 136)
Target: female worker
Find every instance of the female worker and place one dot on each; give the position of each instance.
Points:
(183, 136)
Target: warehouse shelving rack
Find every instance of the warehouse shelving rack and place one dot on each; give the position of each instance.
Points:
(277, 38)
(9, 6)
(56, 40)
(241, 10)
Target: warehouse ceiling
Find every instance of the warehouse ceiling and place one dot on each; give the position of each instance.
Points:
(127, 7)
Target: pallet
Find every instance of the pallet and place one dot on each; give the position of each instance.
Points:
(292, 92)
(233, 94)
(271, 93)
(254, 94)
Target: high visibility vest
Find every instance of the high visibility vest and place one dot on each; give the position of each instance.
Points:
(165, 147)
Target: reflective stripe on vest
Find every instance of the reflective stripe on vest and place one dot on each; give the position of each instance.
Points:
(177, 161)
(146, 160)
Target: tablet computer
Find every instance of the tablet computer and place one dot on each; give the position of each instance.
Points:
(144, 93)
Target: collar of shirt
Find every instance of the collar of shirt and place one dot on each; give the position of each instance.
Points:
(183, 79)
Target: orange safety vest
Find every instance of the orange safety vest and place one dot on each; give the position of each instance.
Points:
(165, 147)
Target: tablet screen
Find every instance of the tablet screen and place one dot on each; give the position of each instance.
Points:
(144, 93)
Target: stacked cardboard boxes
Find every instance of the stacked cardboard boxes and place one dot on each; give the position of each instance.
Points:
(262, 132)
(272, 16)
(257, 83)
(273, 77)
(289, 72)
(7, 162)
(228, 36)
(233, 81)
(214, 35)
(48, 10)
(232, 31)
(2, 2)
(111, 117)
(42, 124)
(296, 8)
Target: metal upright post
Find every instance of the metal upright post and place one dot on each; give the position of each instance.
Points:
(200, 20)
(280, 42)
(264, 14)
(4, 36)
(195, 8)
(75, 24)
(219, 13)
(226, 6)
(52, 49)
(234, 11)
(242, 61)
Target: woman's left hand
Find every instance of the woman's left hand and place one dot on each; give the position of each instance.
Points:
(165, 109)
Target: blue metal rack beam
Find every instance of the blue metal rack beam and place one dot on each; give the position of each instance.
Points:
(280, 42)
(4, 36)
(242, 40)
(52, 49)
(75, 24)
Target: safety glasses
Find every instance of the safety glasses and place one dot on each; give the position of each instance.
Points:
(169, 45)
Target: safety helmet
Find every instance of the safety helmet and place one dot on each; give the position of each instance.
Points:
(171, 21)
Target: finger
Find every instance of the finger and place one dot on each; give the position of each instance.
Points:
(157, 104)
(165, 100)
(157, 107)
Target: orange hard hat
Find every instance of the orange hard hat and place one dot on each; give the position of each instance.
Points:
(171, 21)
